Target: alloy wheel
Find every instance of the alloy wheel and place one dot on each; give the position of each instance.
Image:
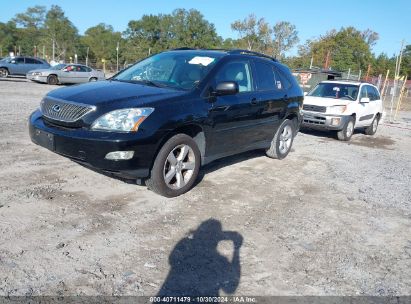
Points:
(286, 137)
(179, 167)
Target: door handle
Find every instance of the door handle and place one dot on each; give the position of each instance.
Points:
(254, 101)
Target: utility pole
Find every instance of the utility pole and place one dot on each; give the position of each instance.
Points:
(311, 62)
(88, 49)
(117, 49)
(54, 49)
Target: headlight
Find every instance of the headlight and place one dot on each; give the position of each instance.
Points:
(338, 109)
(123, 120)
(36, 74)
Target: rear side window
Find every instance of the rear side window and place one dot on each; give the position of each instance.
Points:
(84, 68)
(269, 78)
(32, 61)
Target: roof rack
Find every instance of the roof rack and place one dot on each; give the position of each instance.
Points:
(247, 52)
(229, 51)
(348, 80)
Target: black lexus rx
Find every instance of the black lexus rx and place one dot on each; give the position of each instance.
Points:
(161, 119)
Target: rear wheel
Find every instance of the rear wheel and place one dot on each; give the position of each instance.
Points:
(282, 141)
(348, 130)
(176, 167)
(372, 129)
(4, 72)
(52, 79)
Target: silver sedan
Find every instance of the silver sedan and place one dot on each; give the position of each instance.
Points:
(66, 73)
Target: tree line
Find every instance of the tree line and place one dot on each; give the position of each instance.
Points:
(49, 33)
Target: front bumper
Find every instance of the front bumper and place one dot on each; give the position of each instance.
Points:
(37, 78)
(320, 121)
(90, 147)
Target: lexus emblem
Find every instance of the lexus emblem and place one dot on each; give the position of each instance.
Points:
(56, 108)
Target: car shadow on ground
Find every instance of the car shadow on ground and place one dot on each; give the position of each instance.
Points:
(327, 134)
(14, 79)
(227, 161)
(196, 266)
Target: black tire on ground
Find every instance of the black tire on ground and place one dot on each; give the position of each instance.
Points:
(348, 130)
(282, 141)
(52, 79)
(92, 79)
(4, 73)
(157, 182)
(372, 129)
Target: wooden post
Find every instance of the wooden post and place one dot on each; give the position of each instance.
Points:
(400, 97)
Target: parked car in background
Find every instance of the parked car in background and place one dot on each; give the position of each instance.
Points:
(167, 115)
(66, 73)
(20, 65)
(342, 106)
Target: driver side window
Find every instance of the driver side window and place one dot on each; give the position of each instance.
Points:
(237, 71)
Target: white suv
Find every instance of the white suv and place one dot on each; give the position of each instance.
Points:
(343, 106)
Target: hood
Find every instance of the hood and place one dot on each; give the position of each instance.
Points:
(326, 102)
(105, 92)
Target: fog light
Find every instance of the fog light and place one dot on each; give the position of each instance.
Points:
(120, 155)
(335, 121)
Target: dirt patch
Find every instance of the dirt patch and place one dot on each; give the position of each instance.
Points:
(377, 142)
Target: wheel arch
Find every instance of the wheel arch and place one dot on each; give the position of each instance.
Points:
(195, 131)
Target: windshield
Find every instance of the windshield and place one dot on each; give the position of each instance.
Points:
(58, 66)
(6, 59)
(180, 69)
(335, 90)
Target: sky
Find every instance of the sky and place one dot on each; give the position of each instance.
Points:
(390, 19)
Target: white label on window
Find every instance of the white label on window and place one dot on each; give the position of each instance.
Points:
(205, 61)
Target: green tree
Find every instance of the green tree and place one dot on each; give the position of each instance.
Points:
(102, 41)
(8, 37)
(30, 26)
(347, 47)
(254, 33)
(285, 37)
(60, 31)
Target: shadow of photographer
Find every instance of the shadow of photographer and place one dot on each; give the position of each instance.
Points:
(198, 269)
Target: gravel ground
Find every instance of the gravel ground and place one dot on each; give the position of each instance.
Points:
(333, 218)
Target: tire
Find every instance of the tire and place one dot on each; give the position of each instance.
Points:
(4, 73)
(282, 141)
(92, 79)
(348, 130)
(52, 79)
(169, 177)
(372, 129)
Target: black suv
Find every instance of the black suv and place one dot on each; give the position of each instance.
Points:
(159, 120)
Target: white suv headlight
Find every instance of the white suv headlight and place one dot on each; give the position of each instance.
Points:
(123, 120)
(338, 109)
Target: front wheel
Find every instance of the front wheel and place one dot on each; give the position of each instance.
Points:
(92, 79)
(371, 130)
(4, 73)
(282, 141)
(52, 79)
(348, 130)
(176, 167)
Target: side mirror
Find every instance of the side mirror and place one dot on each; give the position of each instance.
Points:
(226, 88)
(305, 93)
(13, 62)
(365, 100)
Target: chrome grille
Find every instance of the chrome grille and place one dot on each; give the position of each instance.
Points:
(313, 108)
(64, 111)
